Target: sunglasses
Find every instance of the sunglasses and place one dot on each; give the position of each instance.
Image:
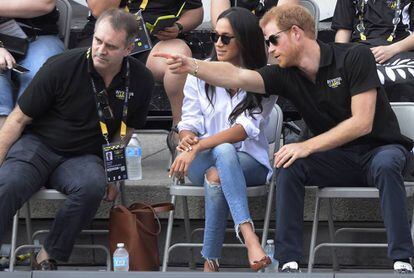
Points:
(224, 38)
(273, 38)
(104, 104)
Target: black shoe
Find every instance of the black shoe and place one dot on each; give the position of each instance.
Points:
(290, 267)
(45, 265)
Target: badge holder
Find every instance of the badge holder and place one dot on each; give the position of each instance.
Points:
(115, 162)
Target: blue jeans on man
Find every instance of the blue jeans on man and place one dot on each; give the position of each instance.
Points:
(381, 167)
(30, 165)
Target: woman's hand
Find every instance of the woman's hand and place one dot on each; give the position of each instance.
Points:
(186, 143)
(6, 59)
(179, 168)
(177, 63)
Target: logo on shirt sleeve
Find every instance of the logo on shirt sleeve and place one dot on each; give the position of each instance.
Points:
(334, 83)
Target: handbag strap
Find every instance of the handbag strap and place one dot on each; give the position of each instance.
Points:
(158, 207)
(140, 224)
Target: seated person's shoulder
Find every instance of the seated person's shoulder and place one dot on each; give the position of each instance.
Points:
(66, 59)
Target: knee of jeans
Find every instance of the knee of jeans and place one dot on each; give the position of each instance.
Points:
(226, 150)
(387, 164)
(212, 177)
(213, 189)
(91, 190)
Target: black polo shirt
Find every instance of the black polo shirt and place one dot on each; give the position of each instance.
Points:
(378, 19)
(61, 102)
(156, 8)
(345, 70)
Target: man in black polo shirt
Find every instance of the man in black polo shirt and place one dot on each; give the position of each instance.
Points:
(53, 137)
(356, 140)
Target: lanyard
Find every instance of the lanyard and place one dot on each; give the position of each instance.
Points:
(143, 5)
(102, 123)
(361, 8)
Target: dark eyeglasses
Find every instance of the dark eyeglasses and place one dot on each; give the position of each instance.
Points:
(224, 38)
(273, 38)
(104, 104)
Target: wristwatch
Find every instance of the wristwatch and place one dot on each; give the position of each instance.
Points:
(180, 27)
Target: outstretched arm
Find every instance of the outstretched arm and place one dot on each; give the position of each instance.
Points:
(219, 74)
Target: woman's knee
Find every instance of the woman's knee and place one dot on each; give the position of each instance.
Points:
(212, 176)
(225, 149)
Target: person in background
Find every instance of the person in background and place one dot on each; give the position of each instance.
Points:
(223, 145)
(258, 7)
(385, 27)
(36, 20)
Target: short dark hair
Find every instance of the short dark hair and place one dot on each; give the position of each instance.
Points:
(121, 20)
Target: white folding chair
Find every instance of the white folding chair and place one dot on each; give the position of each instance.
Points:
(313, 8)
(65, 17)
(272, 131)
(405, 116)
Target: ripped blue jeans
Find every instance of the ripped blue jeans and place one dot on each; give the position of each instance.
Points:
(236, 170)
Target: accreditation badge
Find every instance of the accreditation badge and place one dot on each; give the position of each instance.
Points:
(114, 161)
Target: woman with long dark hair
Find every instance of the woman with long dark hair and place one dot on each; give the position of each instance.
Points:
(222, 142)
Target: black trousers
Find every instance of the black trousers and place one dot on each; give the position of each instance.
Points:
(380, 167)
(30, 165)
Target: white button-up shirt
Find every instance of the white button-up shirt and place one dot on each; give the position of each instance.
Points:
(204, 119)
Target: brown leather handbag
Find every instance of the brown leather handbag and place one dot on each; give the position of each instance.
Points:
(138, 227)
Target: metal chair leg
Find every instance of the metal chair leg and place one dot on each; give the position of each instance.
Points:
(314, 234)
(28, 221)
(331, 226)
(168, 236)
(187, 226)
(14, 241)
(268, 208)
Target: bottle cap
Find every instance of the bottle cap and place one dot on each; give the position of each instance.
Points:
(120, 245)
(270, 241)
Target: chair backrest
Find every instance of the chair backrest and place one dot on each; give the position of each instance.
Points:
(313, 8)
(65, 16)
(405, 115)
(273, 127)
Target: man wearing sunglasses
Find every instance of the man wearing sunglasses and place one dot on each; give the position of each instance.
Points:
(54, 138)
(356, 140)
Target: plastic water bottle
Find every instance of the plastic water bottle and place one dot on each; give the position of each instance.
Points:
(270, 251)
(133, 154)
(121, 258)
